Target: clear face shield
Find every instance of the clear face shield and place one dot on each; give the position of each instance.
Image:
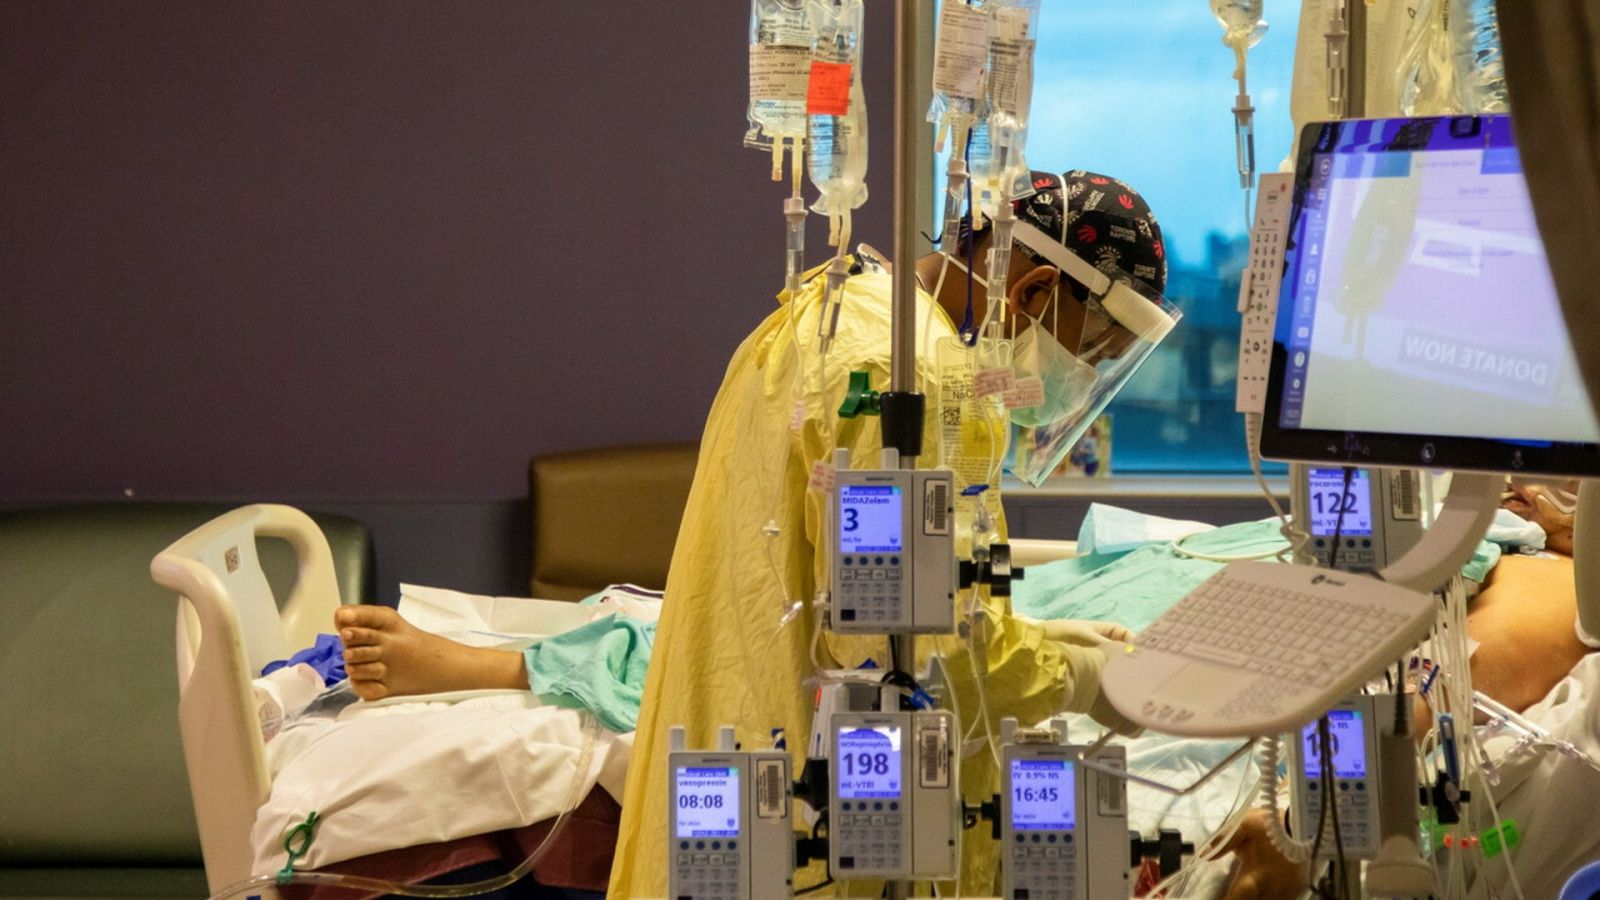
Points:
(1124, 321)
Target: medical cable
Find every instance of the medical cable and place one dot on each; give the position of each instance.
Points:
(591, 728)
(1297, 538)
(1211, 848)
(1177, 549)
(1457, 692)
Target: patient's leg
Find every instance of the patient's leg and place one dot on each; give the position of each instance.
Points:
(386, 656)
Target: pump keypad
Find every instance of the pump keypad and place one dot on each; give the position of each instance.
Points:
(871, 831)
(1042, 866)
(870, 589)
(707, 870)
(1354, 805)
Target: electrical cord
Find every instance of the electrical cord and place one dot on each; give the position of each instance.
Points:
(1297, 539)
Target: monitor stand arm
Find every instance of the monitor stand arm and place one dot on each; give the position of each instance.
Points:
(1450, 541)
(1586, 560)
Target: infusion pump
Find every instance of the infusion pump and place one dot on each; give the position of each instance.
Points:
(894, 795)
(730, 812)
(1063, 826)
(1360, 523)
(1355, 780)
(893, 554)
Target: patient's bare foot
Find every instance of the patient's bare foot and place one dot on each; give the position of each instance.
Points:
(386, 656)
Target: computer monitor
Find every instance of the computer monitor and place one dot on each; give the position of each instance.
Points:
(1417, 323)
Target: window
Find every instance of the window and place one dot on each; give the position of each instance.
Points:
(1143, 90)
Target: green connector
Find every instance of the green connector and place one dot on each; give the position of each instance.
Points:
(859, 399)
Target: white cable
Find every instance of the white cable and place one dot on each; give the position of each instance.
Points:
(1177, 549)
(1297, 539)
(1295, 851)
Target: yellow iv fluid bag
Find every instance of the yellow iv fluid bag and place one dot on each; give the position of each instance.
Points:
(837, 111)
(973, 424)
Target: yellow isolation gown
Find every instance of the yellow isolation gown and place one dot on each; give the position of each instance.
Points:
(734, 645)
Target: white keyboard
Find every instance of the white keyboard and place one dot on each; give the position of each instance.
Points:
(1263, 648)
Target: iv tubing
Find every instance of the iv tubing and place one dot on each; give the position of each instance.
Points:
(258, 883)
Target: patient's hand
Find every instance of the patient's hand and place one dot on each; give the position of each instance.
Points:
(1262, 873)
(386, 656)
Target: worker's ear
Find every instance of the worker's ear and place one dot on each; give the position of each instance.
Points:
(1031, 293)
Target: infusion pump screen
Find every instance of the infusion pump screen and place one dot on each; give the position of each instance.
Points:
(1043, 795)
(870, 518)
(869, 762)
(1330, 501)
(1346, 738)
(708, 802)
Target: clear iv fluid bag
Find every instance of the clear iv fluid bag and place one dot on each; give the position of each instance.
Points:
(1241, 23)
(1480, 71)
(960, 58)
(1426, 77)
(1002, 170)
(781, 39)
(838, 159)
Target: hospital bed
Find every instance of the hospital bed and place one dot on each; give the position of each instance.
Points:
(597, 517)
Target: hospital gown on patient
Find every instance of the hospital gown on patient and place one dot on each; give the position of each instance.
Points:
(724, 652)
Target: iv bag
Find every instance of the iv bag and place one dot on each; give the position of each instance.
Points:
(1426, 78)
(1480, 69)
(1241, 23)
(960, 56)
(780, 65)
(1009, 94)
(837, 110)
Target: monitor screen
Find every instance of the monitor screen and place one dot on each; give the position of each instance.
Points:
(1346, 740)
(1044, 795)
(1417, 323)
(870, 518)
(868, 760)
(708, 802)
(1337, 509)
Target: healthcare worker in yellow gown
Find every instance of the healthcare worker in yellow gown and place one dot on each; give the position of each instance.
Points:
(734, 645)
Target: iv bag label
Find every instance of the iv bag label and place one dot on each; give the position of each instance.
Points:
(962, 50)
(828, 92)
(822, 476)
(1025, 392)
(783, 26)
(779, 73)
(1010, 76)
(989, 382)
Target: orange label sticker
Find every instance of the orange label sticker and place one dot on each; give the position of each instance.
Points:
(828, 93)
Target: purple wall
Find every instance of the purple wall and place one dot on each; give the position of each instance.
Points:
(373, 251)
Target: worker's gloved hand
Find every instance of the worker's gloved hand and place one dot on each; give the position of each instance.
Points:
(1086, 632)
(1087, 662)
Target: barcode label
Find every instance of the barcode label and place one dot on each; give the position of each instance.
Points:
(1406, 494)
(933, 753)
(772, 795)
(1113, 791)
(936, 507)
